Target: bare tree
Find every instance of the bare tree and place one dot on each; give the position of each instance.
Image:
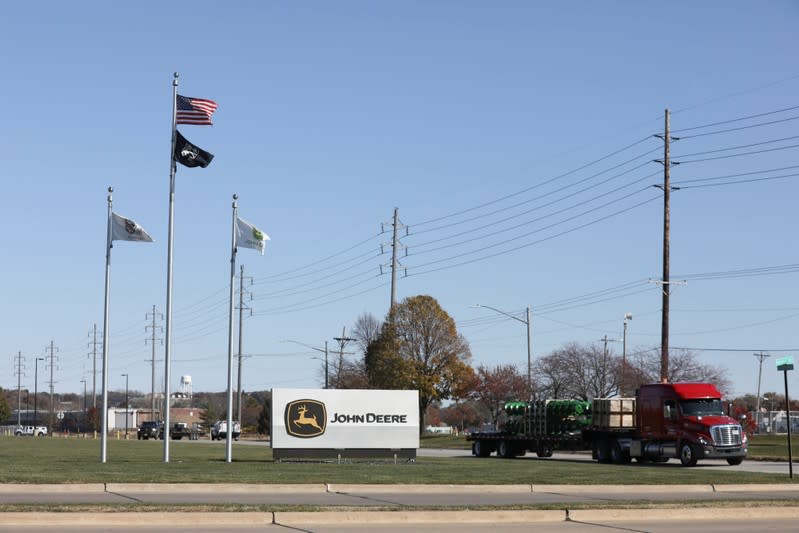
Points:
(366, 330)
(684, 366)
(497, 385)
(577, 371)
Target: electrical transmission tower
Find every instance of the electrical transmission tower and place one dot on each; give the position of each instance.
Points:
(20, 370)
(154, 329)
(52, 350)
(242, 306)
(93, 354)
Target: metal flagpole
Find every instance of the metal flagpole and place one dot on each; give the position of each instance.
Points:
(168, 319)
(229, 433)
(104, 412)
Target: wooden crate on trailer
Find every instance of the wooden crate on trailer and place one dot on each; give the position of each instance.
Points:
(613, 412)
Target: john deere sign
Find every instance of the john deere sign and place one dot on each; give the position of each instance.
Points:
(344, 423)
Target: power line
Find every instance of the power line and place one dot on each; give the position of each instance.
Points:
(546, 182)
(742, 154)
(526, 245)
(740, 128)
(739, 119)
(474, 238)
(761, 143)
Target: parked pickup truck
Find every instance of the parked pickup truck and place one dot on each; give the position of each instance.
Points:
(34, 431)
(219, 430)
(150, 430)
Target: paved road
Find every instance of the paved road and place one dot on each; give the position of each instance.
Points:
(767, 467)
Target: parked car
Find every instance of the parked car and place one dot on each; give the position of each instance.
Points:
(150, 430)
(219, 430)
(34, 431)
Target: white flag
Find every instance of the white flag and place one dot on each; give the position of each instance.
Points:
(125, 229)
(249, 236)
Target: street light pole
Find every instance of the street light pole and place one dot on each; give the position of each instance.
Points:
(36, 392)
(527, 322)
(126, 405)
(327, 366)
(627, 316)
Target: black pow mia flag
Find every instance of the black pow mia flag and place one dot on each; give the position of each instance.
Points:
(189, 155)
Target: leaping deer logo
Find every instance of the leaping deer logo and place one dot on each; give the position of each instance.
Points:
(305, 420)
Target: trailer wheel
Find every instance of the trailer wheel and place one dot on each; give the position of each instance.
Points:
(688, 454)
(544, 451)
(479, 449)
(735, 461)
(505, 450)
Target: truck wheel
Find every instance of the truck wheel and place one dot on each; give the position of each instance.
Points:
(617, 455)
(18, 433)
(505, 450)
(602, 451)
(735, 461)
(479, 449)
(688, 454)
(544, 451)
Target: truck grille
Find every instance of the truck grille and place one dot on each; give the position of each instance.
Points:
(728, 435)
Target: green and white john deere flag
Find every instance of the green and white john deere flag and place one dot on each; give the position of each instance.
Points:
(125, 229)
(249, 236)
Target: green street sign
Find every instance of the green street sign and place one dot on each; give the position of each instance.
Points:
(785, 363)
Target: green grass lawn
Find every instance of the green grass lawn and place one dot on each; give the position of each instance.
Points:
(772, 447)
(71, 460)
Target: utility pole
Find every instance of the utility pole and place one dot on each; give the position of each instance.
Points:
(52, 349)
(605, 340)
(93, 344)
(19, 388)
(762, 357)
(342, 342)
(154, 315)
(241, 336)
(395, 245)
(666, 187)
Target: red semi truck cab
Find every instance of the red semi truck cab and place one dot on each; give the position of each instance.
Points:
(688, 421)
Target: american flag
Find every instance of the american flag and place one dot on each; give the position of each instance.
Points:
(195, 110)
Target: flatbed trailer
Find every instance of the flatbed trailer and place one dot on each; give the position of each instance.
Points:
(664, 421)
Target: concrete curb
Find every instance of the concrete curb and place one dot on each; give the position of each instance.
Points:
(348, 488)
(429, 489)
(53, 488)
(696, 513)
(226, 488)
(621, 489)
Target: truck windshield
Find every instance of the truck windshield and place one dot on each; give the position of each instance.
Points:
(703, 407)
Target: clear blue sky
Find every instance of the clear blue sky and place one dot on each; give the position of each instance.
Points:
(475, 119)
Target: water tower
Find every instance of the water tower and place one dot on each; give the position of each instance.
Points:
(185, 386)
